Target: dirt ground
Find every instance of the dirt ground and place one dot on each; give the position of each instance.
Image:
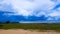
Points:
(21, 31)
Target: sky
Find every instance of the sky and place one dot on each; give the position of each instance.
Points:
(30, 9)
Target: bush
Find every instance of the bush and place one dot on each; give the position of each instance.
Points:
(1, 26)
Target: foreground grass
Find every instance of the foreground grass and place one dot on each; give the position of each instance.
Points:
(38, 26)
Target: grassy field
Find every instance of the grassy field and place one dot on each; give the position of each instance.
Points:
(38, 26)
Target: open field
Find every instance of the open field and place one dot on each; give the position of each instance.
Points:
(29, 28)
(21, 31)
(33, 26)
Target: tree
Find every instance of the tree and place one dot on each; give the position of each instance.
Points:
(7, 22)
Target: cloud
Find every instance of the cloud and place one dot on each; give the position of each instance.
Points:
(5, 5)
(30, 8)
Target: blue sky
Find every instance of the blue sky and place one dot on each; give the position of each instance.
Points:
(29, 10)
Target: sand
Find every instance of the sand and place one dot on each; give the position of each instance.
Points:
(21, 31)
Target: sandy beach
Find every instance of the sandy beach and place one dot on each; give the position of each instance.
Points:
(21, 31)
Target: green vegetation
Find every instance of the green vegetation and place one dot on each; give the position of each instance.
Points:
(39, 26)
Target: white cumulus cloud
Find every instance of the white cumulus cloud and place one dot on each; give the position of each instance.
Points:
(30, 7)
